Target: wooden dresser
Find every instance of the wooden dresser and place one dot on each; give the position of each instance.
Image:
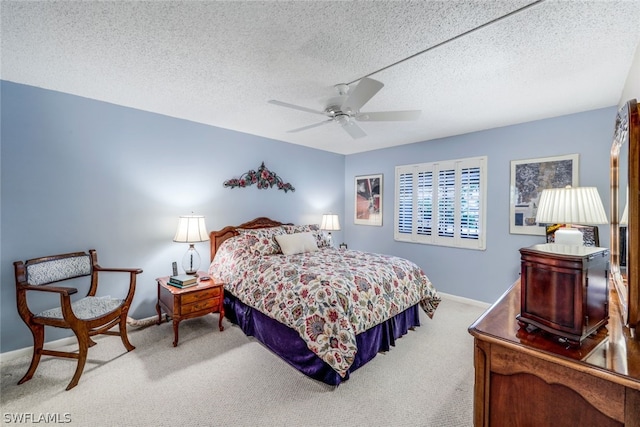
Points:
(534, 379)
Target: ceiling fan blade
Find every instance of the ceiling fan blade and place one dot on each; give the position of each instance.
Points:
(383, 116)
(353, 129)
(310, 126)
(295, 107)
(361, 94)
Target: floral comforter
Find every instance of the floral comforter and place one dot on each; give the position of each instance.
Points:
(328, 296)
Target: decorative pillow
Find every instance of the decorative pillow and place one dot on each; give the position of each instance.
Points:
(297, 243)
(321, 239)
(261, 240)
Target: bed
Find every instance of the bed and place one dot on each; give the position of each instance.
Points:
(325, 311)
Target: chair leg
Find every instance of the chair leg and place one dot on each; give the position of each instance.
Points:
(83, 348)
(123, 332)
(38, 342)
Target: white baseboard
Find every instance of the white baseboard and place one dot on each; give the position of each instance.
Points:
(10, 355)
(469, 301)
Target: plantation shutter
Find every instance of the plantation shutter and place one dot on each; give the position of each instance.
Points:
(442, 203)
(405, 203)
(470, 203)
(446, 203)
(425, 203)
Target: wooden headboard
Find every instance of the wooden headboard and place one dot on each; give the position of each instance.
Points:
(218, 237)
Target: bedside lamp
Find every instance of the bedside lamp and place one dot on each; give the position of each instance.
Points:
(570, 205)
(191, 229)
(330, 222)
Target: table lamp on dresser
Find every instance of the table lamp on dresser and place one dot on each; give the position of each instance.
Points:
(570, 205)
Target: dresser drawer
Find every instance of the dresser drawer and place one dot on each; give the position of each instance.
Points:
(201, 295)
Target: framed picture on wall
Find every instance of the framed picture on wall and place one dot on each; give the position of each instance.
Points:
(528, 179)
(368, 200)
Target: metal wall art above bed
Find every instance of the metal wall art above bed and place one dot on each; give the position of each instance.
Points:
(263, 178)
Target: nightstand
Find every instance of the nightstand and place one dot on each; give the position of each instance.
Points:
(204, 298)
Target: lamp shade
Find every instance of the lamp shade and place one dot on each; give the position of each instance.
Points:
(571, 205)
(330, 222)
(191, 229)
(625, 220)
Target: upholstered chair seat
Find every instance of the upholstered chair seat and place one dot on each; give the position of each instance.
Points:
(85, 309)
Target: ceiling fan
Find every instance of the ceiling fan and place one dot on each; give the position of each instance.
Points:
(344, 109)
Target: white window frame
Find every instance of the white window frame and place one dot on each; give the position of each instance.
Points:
(417, 191)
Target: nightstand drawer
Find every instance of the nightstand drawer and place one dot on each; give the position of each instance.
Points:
(201, 295)
(200, 305)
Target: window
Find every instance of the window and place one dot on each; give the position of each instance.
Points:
(442, 203)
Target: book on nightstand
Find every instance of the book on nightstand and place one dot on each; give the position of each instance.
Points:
(183, 280)
(175, 285)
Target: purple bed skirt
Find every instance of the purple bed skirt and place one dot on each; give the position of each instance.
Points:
(286, 343)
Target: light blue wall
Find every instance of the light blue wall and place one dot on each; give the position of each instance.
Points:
(483, 275)
(80, 174)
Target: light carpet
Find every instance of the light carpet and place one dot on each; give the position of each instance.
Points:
(218, 378)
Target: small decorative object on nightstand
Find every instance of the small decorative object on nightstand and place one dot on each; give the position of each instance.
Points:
(330, 222)
(186, 303)
(191, 229)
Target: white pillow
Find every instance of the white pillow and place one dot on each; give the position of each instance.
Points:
(297, 243)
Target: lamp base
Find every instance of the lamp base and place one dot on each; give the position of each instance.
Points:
(330, 239)
(569, 236)
(191, 261)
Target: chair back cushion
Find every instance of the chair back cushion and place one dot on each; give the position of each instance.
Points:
(57, 269)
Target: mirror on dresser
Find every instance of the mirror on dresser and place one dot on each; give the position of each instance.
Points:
(625, 195)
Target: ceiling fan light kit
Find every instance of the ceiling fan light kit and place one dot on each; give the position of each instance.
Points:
(345, 108)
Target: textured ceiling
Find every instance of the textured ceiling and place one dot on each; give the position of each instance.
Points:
(219, 62)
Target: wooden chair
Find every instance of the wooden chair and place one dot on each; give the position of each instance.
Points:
(86, 317)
